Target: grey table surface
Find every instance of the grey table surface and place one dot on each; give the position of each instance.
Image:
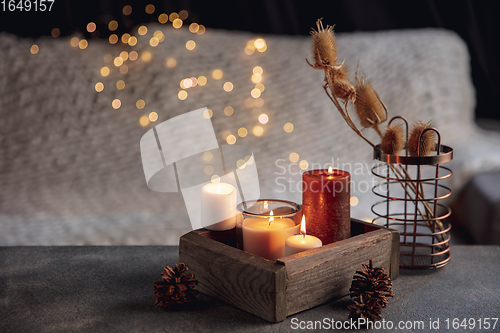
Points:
(109, 289)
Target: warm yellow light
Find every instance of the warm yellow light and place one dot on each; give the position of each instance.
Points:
(118, 61)
(201, 29)
(150, 9)
(113, 39)
(249, 159)
(194, 27)
(125, 38)
(202, 80)
(271, 217)
(74, 41)
(124, 69)
(256, 78)
(112, 25)
(303, 164)
(99, 86)
(260, 86)
(105, 71)
(294, 157)
(158, 34)
(258, 130)
(262, 49)
(154, 42)
(228, 86)
(120, 84)
(228, 110)
(215, 179)
(153, 116)
(177, 23)
(190, 45)
(259, 43)
(186, 83)
(132, 41)
(207, 156)
(217, 74)
(83, 44)
(263, 118)
(354, 201)
(163, 18)
(249, 49)
(127, 10)
(173, 16)
(259, 102)
(34, 49)
(183, 14)
(142, 30)
(182, 95)
(255, 93)
(124, 55)
(55, 32)
(146, 56)
(171, 62)
(242, 132)
(208, 113)
(133, 55)
(330, 169)
(208, 169)
(288, 127)
(241, 164)
(303, 225)
(140, 104)
(231, 139)
(144, 121)
(194, 82)
(257, 70)
(116, 104)
(91, 27)
(249, 103)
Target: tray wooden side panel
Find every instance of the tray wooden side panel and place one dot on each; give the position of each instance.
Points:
(246, 281)
(320, 275)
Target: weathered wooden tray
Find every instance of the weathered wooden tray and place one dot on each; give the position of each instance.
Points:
(275, 290)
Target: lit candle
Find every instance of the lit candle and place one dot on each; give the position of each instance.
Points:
(302, 242)
(218, 206)
(266, 237)
(325, 202)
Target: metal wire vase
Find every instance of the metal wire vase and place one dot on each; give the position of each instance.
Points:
(411, 196)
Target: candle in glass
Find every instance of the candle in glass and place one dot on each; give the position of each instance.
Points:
(302, 242)
(218, 206)
(326, 203)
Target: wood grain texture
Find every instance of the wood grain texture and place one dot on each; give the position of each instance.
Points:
(324, 274)
(249, 282)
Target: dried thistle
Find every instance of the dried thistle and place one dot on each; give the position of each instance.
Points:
(393, 140)
(339, 83)
(426, 142)
(369, 107)
(324, 48)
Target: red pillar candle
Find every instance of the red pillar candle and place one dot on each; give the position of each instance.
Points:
(326, 198)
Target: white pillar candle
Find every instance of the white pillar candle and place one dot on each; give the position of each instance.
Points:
(218, 206)
(266, 237)
(302, 242)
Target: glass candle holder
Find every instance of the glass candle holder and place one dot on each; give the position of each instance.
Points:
(263, 226)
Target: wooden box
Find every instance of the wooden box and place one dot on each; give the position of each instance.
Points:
(275, 290)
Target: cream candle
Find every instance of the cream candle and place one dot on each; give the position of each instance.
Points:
(218, 206)
(302, 242)
(266, 237)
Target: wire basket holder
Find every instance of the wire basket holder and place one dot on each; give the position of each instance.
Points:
(411, 193)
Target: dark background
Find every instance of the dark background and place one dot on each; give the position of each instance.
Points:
(475, 21)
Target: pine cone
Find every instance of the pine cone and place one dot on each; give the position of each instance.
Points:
(176, 289)
(372, 282)
(365, 307)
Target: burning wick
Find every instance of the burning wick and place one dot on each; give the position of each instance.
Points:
(271, 218)
(303, 227)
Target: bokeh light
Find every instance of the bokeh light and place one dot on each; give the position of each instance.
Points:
(177, 23)
(263, 118)
(259, 102)
(113, 39)
(132, 41)
(190, 45)
(99, 86)
(258, 130)
(217, 74)
(55, 32)
(124, 55)
(257, 70)
(303, 164)
(146, 56)
(242, 132)
(202, 80)
(288, 127)
(125, 38)
(112, 25)
(133, 55)
(142, 30)
(182, 95)
(163, 18)
(354, 201)
(140, 104)
(249, 103)
(201, 29)
(34, 49)
(208, 113)
(74, 41)
(153, 116)
(124, 69)
(260, 86)
(256, 78)
(173, 16)
(120, 84)
(116, 103)
(183, 14)
(144, 121)
(293, 157)
(127, 10)
(207, 156)
(228, 86)
(231, 139)
(105, 71)
(118, 61)
(228, 111)
(82, 44)
(241, 164)
(215, 179)
(150, 9)
(91, 27)
(255, 93)
(171, 62)
(154, 42)
(194, 27)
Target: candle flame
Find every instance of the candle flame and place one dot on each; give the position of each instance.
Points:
(330, 169)
(303, 226)
(266, 205)
(271, 217)
(218, 188)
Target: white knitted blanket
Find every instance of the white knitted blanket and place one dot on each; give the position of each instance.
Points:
(70, 166)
